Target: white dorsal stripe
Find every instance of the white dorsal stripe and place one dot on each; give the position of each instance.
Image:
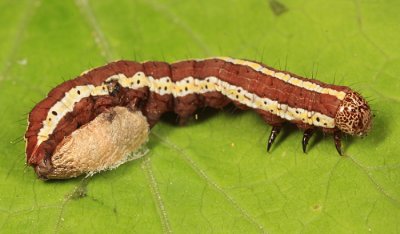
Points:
(188, 85)
(283, 76)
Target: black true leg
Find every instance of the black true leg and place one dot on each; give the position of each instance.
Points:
(306, 137)
(274, 132)
(337, 136)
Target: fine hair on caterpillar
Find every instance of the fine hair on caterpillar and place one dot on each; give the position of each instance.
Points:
(154, 88)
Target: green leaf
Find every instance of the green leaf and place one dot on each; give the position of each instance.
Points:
(213, 175)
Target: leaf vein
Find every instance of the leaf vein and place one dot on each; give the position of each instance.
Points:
(146, 167)
(204, 176)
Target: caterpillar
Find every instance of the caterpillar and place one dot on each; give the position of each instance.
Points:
(155, 88)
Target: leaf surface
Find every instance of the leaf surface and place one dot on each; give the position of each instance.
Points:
(213, 175)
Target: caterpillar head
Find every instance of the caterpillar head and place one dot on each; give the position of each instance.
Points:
(354, 116)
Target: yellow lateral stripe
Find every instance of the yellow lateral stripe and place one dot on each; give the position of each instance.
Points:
(188, 85)
(283, 76)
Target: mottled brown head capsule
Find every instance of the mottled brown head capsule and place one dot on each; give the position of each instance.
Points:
(354, 116)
